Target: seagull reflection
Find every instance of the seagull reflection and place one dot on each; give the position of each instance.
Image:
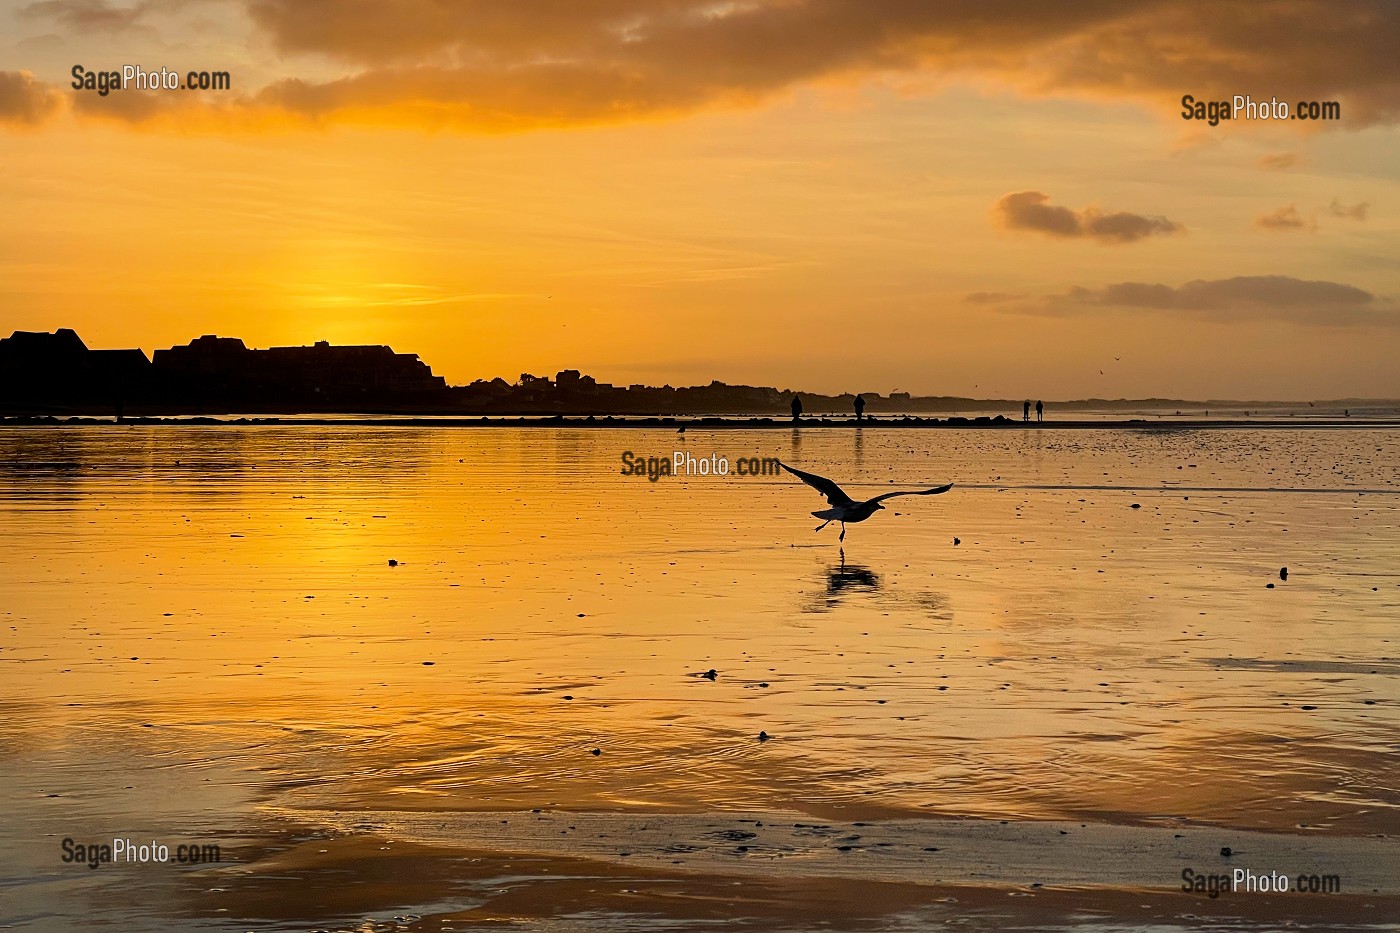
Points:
(844, 580)
(850, 577)
(857, 583)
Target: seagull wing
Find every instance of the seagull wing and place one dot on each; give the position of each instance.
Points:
(834, 494)
(915, 492)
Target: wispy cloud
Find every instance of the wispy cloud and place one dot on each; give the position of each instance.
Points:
(1278, 298)
(993, 298)
(86, 15)
(1284, 220)
(1349, 211)
(1289, 219)
(1280, 161)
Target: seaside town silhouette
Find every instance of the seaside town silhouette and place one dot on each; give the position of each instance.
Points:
(57, 374)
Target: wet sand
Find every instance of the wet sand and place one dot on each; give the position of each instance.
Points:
(456, 887)
(202, 638)
(919, 851)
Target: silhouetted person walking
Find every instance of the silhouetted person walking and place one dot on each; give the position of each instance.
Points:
(796, 408)
(1026, 410)
(860, 407)
(1039, 411)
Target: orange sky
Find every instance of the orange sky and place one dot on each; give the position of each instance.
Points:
(819, 194)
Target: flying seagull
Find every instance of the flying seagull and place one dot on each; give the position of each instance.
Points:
(845, 509)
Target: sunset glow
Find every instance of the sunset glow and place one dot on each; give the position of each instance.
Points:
(810, 195)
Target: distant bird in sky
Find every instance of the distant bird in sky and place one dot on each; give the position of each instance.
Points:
(845, 509)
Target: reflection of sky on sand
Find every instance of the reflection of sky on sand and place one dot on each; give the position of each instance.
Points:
(210, 612)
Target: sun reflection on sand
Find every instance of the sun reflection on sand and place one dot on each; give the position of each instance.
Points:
(214, 609)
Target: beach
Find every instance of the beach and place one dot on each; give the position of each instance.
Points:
(412, 677)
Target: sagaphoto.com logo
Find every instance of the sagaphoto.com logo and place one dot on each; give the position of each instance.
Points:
(683, 463)
(134, 77)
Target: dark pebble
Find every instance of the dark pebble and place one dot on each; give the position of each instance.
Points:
(1225, 851)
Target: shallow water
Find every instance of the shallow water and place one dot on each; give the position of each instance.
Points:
(199, 621)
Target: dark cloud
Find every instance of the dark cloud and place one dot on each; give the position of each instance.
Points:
(485, 65)
(1032, 210)
(1123, 227)
(1242, 298)
(506, 60)
(25, 101)
(1284, 219)
(1352, 211)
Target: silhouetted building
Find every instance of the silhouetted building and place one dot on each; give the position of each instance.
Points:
(41, 371)
(319, 377)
